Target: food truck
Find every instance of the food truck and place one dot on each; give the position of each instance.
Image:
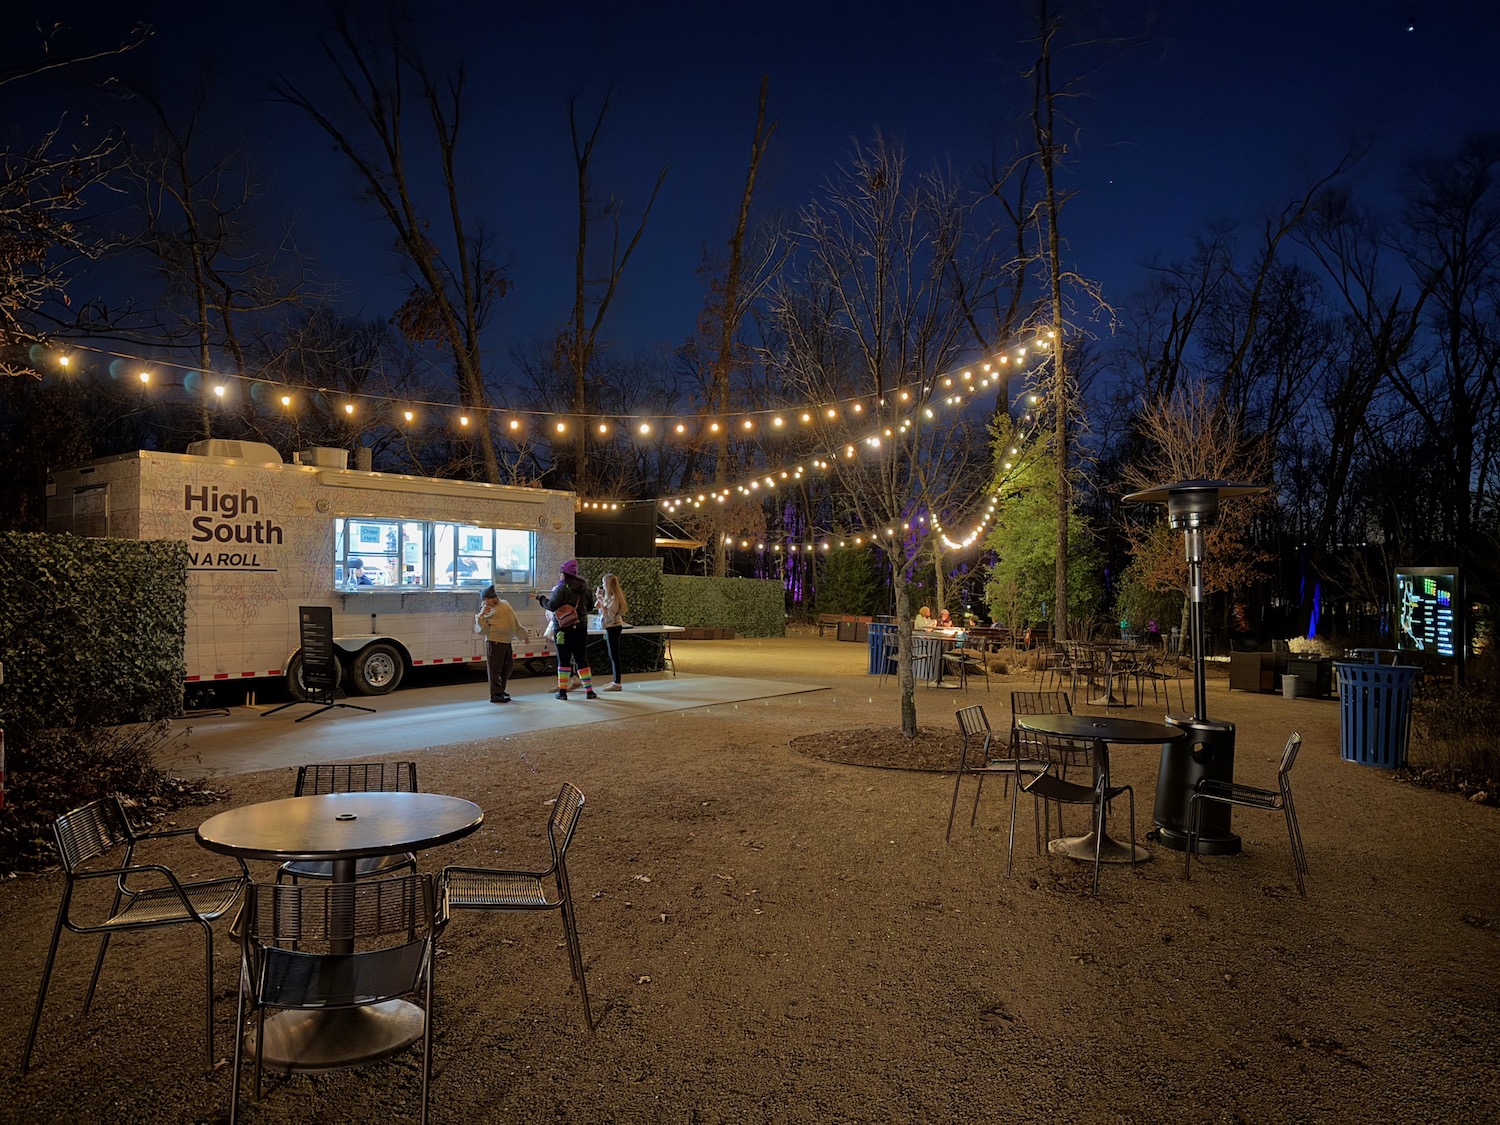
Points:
(401, 560)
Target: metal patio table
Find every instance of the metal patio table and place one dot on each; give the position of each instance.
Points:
(340, 828)
(1101, 732)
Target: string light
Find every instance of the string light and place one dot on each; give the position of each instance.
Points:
(830, 411)
(774, 416)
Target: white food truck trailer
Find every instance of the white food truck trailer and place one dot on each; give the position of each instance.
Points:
(401, 560)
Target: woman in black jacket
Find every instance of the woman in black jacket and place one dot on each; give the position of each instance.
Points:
(572, 639)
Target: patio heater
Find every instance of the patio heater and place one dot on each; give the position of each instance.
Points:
(1208, 751)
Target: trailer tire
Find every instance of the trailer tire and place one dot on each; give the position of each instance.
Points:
(377, 669)
(294, 685)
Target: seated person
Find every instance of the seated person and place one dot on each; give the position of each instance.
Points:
(945, 620)
(357, 574)
(924, 619)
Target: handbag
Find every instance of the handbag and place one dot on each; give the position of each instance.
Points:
(566, 616)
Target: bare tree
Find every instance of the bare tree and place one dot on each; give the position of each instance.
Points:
(455, 284)
(1451, 383)
(198, 225)
(1052, 134)
(44, 188)
(735, 299)
(873, 317)
(579, 344)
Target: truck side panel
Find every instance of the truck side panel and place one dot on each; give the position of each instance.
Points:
(261, 543)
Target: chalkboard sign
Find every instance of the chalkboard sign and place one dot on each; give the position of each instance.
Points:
(319, 668)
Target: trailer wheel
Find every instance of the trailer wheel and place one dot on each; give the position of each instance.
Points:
(376, 670)
(294, 685)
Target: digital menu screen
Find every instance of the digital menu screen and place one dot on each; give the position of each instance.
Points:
(1429, 602)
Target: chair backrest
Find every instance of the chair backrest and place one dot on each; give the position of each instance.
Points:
(1288, 759)
(1040, 703)
(304, 914)
(88, 832)
(292, 924)
(564, 819)
(1045, 703)
(357, 777)
(973, 721)
(973, 725)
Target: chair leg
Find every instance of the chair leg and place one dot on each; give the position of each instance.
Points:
(88, 997)
(1098, 838)
(1192, 840)
(41, 996)
(1015, 799)
(427, 1030)
(958, 779)
(260, 1054)
(208, 999)
(1294, 835)
(239, 1045)
(974, 812)
(575, 955)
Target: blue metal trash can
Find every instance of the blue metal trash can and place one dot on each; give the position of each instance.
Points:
(882, 647)
(1375, 712)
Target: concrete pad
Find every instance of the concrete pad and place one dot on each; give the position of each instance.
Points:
(250, 739)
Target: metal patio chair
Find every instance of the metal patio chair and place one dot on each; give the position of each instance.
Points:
(147, 896)
(968, 662)
(1098, 796)
(288, 963)
(482, 888)
(977, 756)
(888, 650)
(1165, 668)
(1247, 796)
(353, 777)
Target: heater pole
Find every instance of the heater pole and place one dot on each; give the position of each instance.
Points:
(1193, 540)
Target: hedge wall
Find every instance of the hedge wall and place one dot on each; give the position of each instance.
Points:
(752, 607)
(91, 631)
(641, 581)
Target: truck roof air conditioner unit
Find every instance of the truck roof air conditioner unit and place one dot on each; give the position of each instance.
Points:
(253, 452)
(325, 458)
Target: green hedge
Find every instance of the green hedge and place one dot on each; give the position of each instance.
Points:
(641, 581)
(91, 631)
(752, 607)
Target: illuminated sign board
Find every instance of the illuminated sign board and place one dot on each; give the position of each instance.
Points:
(1429, 611)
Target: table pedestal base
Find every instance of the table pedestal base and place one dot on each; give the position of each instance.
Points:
(1110, 850)
(329, 1040)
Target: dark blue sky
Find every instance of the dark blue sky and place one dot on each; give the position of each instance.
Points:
(1223, 109)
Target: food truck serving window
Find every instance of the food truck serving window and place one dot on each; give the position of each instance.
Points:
(430, 555)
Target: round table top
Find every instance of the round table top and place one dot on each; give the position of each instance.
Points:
(1106, 729)
(340, 826)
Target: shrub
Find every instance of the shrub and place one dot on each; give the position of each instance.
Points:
(91, 635)
(1455, 733)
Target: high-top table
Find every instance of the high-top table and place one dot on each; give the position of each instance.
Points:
(1101, 732)
(340, 828)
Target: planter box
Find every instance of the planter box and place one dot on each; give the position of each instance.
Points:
(1316, 675)
(1254, 671)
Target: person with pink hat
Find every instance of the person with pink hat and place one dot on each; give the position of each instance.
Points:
(570, 604)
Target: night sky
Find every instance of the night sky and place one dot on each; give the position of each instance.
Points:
(1221, 109)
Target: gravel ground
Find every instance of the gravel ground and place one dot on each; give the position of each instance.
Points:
(772, 937)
